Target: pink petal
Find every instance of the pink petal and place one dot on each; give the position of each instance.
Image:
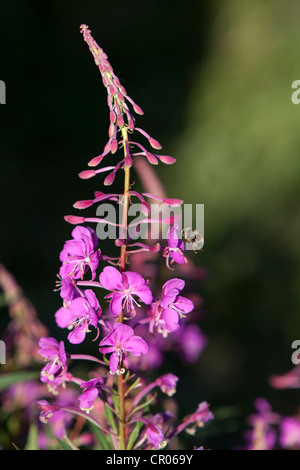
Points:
(137, 285)
(92, 299)
(183, 304)
(136, 345)
(115, 305)
(171, 319)
(123, 333)
(114, 362)
(170, 291)
(63, 317)
(172, 238)
(78, 307)
(45, 342)
(111, 278)
(177, 257)
(144, 293)
(77, 335)
(134, 279)
(62, 353)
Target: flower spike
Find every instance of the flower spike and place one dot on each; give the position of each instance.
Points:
(120, 301)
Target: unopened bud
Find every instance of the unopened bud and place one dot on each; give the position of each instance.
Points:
(112, 117)
(74, 219)
(120, 121)
(111, 130)
(109, 179)
(113, 89)
(137, 109)
(107, 147)
(130, 123)
(96, 160)
(128, 160)
(173, 202)
(122, 90)
(83, 204)
(151, 158)
(86, 174)
(154, 143)
(120, 96)
(114, 145)
(155, 248)
(167, 159)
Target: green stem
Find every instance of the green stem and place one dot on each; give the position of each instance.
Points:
(121, 382)
(122, 413)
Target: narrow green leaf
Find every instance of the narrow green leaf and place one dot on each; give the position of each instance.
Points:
(110, 417)
(6, 380)
(134, 435)
(104, 441)
(143, 405)
(65, 444)
(115, 398)
(133, 386)
(85, 415)
(32, 438)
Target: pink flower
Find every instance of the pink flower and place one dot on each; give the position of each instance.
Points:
(79, 254)
(202, 414)
(155, 436)
(54, 353)
(90, 393)
(119, 341)
(124, 286)
(47, 410)
(290, 432)
(264, 414)
(174, 306)
(165, 313)
(67, 289)
(153, 433)
(190, 341)
(175, 248)
(167, 383)
(78, 315)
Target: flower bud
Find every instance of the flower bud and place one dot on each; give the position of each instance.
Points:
(96, 160)
(154, 143)
(114, 146)
(83, 204)
(120, 96)
(86, 174)
(112, 117)
(138, 110)
(128, 160)
(111, 130)
(74, 219)
(120, 121)
(109, 179)
(151, 158)
(173, 202)
(167, 159)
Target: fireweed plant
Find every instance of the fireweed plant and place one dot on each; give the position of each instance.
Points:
(117, 400)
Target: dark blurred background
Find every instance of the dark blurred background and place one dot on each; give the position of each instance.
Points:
(214, 80)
